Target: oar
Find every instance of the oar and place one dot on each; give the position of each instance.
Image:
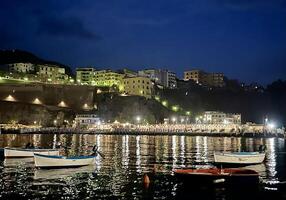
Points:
(95, 150)
(101, 154)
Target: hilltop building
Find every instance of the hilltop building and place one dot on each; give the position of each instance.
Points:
(85, 76)
(204, 78)
(128, 72)
(140, 86)
(52, 73)
(162, 77)
(108, 78)
(21, 67)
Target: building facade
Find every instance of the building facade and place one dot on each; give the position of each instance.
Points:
(87, 120)
(85, 76)
(215, 117)
(108, 78)
(52, 73)
(161, 77)
(204, 78)
(139, 86)
(21, 67)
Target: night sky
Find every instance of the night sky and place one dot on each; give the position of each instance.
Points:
(245, 39)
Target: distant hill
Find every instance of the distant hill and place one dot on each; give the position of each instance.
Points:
(16, 56)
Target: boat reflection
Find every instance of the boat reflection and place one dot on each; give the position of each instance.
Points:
(55, 174)
(15, 162)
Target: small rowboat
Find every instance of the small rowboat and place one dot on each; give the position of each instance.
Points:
(215, 175)
(18, 152)
(240, 158)
(45, 161)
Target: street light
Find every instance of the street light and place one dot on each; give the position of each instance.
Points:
(174, 119)
(138, 118)
(271, 125)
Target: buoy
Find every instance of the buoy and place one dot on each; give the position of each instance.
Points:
(146, 181)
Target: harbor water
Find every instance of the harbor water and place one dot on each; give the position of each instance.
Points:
(119, 175)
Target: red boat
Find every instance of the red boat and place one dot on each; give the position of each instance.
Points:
(215, 175)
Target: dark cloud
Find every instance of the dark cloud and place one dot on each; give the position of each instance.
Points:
(65, 27)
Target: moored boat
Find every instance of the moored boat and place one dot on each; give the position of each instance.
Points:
(215, 175)
(239, 158)
(18, 152)
(46, 161)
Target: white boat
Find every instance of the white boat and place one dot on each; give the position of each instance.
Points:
(18, 152)
(243, 158)
(44, 161)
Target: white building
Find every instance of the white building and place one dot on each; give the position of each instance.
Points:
(52, 73)
(87, 120)
(85, 75)
(162, 77)
(21, 67)
(215, 117)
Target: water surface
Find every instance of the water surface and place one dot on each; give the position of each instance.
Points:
(127, 159)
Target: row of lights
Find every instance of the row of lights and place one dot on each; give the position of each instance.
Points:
(38, 102)
(174, 108)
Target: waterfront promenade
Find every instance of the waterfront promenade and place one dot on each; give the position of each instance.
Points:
(247, 130)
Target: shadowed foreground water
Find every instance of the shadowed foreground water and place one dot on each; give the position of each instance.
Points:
(127, 158)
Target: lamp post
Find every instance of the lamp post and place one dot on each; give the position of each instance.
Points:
(138, 119)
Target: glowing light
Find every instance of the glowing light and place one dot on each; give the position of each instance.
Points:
(188, 113)
(85, 106)
(175, 108)
(271, 125)
(62, 104)
(157, 98)
(98, 91)
(174, 119)
(10, 98)
(138, 118)
(37, 101)
(165, 103)
(26, 79)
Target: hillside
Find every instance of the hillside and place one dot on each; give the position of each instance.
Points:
(16, 56)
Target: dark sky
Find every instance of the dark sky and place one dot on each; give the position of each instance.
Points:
(245, 39)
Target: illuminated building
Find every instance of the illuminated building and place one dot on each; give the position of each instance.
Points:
(85, 75)
(52, 73)
(21, 67)
(204, 78)
(108, 78)
(140, 86)
(162, 77)
(87, 120)
(215, 117)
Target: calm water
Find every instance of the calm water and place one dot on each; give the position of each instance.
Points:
(127, 158)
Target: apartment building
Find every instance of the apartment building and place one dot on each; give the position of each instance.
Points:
(140, 86)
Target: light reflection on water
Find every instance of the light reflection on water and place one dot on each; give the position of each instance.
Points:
(127, 158)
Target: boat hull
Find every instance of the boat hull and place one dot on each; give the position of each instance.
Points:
(43, 161)
(239, 159)
(22, 153)
(198, 177)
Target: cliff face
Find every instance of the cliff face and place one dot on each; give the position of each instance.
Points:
(64, 101)
(127, 109)
(23, 113)
(73, 97)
